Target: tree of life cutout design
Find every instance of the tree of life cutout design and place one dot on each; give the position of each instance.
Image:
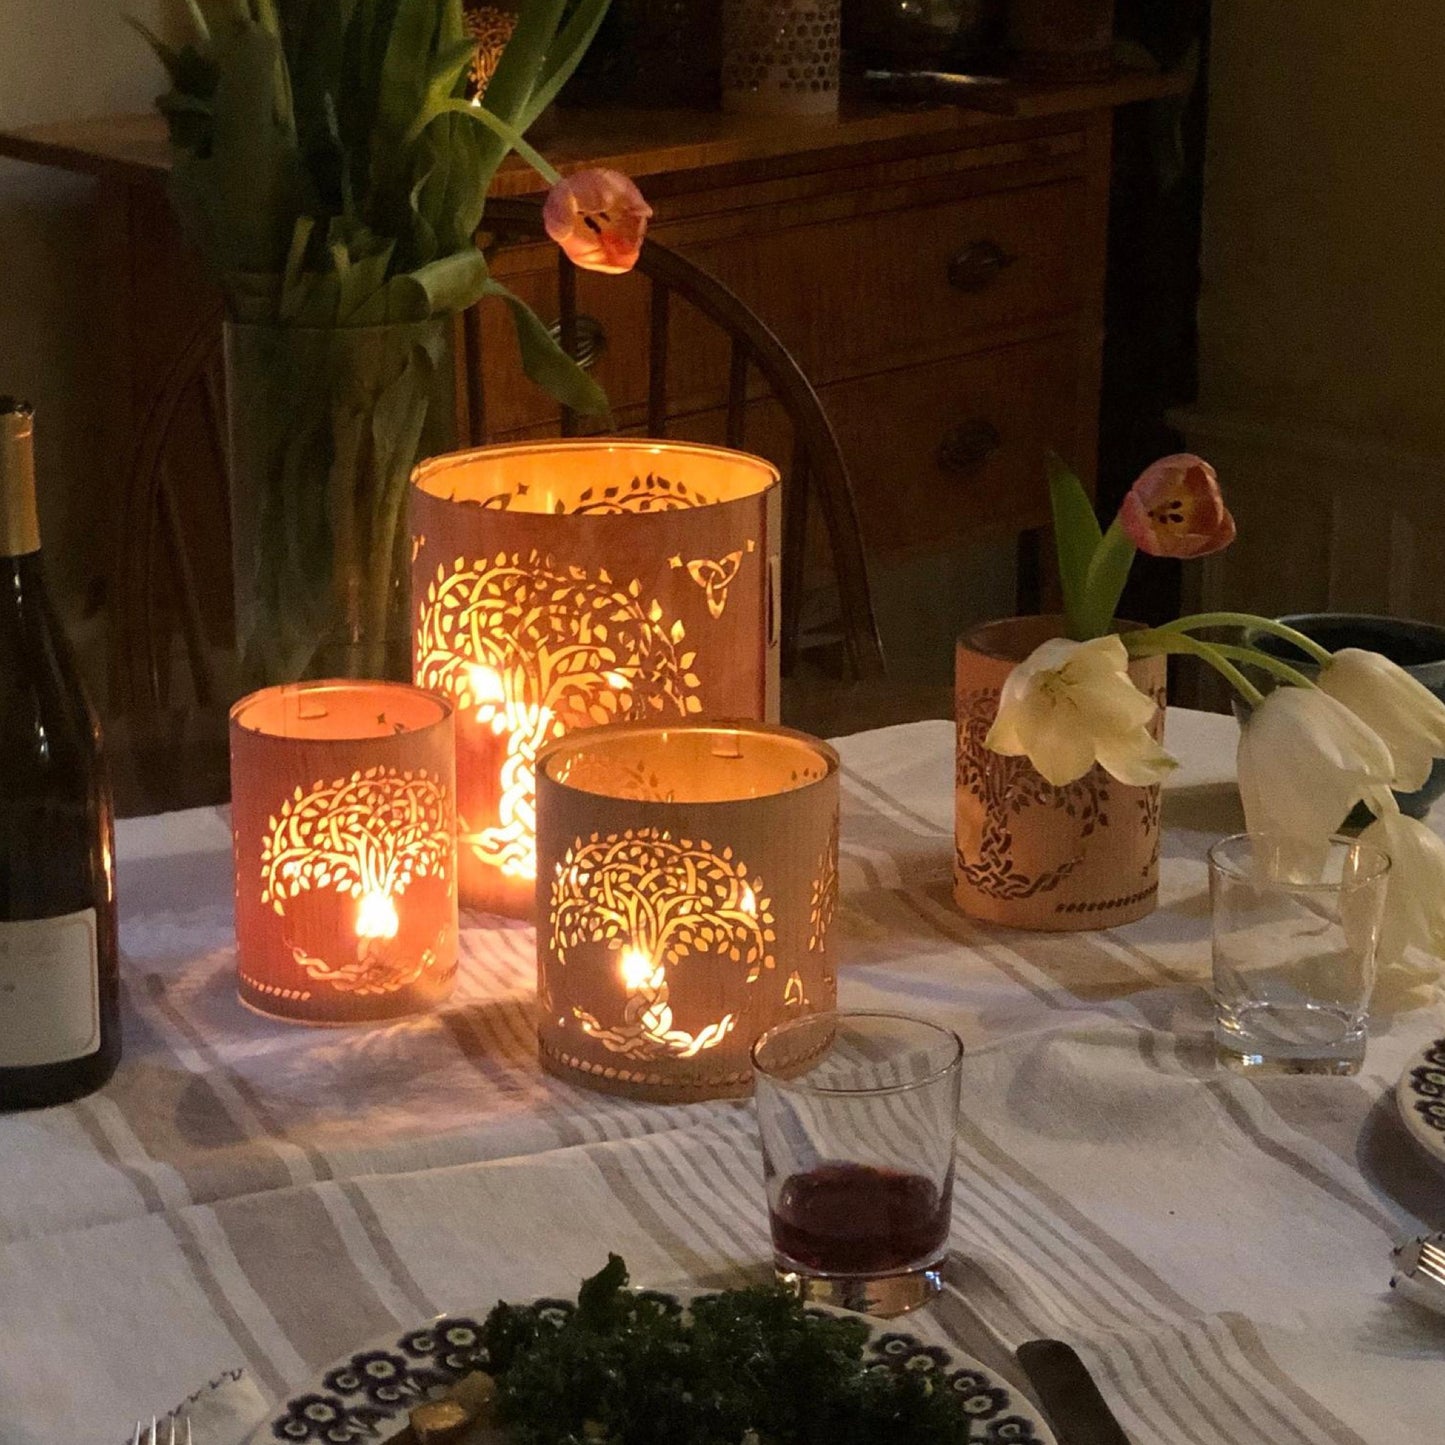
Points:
(654, 901)
(643, 494)
(715, 577)
(367, 837)
(537, 649)
(823, 896)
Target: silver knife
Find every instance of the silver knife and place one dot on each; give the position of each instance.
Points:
(1071, 1399)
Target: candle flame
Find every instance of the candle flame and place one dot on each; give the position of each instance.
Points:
(637, 968)
(749, 902)
(487, 691)
(376, 916)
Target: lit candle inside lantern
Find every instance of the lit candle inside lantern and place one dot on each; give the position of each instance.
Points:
(376, 917)
(565, 585)
(344, 817)
(687, 883)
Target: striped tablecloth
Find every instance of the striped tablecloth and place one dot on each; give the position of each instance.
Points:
(248, 1194)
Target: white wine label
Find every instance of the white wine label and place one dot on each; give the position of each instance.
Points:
(49, 990)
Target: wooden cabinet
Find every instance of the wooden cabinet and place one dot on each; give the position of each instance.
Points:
(938, 274)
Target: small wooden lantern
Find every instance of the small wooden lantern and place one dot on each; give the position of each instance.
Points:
(343, 805)
(563, 584)
(687, 880)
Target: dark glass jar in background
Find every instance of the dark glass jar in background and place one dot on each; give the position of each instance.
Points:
(653, 53)
(921, 34)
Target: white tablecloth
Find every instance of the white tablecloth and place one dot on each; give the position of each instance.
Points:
(250, 1194)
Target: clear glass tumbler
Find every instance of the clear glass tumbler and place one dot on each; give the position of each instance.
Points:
(858, 1113)
(1295, 932)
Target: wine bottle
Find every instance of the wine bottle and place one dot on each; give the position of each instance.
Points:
(59, 980)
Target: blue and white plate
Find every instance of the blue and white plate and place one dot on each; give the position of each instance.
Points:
(1420, 1095)
(368, 1395)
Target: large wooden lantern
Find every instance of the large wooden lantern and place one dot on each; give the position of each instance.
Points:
(564, 584)
(343, 804)
(687, 879)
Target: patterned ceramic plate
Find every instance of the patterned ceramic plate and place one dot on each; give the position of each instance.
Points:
(369, 1394)
(1420, 1095)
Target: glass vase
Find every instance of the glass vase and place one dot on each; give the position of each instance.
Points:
(325, 426)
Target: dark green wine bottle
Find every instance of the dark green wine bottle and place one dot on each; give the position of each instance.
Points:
(59, 975)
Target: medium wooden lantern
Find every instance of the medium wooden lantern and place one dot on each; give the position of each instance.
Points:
(687, 880)
(343, 805)
(564, 584)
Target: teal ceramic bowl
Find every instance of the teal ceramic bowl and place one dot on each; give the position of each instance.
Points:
(1418, 647)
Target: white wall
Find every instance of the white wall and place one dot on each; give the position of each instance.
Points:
(1322, 315)
(62, 59)
(1324, 247)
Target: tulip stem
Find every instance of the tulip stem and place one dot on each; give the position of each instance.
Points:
(498, 127)
(1252, 657)
(1161, 640)
(1247, 622)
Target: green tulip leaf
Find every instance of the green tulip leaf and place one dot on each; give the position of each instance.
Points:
(544, 361)
(1076, 537)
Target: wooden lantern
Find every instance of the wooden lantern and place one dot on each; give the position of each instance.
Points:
(687, 880)
(564, 584)
(343, 805)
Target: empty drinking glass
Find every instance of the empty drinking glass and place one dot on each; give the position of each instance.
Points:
(858, 1113)
(1295, 931)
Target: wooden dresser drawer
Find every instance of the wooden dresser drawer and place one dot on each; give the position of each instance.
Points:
(954, 452)
(895, 288)
(947, 454)
(847, 297)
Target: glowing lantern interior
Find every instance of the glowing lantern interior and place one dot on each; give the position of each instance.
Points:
(567, 585)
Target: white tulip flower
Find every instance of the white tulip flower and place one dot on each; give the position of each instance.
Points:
(1415, 899)
(1305, 760)
(1070, 705)
(1402, 710)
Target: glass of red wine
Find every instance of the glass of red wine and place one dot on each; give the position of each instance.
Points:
(858, 1113)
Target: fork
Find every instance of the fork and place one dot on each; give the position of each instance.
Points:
(1420, 1271)
(150, 1434)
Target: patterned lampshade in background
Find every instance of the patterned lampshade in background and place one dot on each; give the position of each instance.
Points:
(781, 57)
(491, 27)
(569, 584)
(687, 880)
(343, 808)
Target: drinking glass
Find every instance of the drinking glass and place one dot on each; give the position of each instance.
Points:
(1295, 931)
(858, 1113)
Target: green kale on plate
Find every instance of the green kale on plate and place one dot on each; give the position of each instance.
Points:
(746, 1367)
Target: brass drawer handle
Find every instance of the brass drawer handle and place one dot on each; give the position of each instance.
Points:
(591, 340)
(977, 266)
(966, 448)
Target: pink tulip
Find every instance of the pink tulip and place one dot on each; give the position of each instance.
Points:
(1175, 509)
(598, 217)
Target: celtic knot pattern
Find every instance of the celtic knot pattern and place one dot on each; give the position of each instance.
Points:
(715, 577)
(1006, 786)
(536, 649)
(654, 901)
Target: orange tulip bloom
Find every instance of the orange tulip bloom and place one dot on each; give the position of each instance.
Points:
(598, 217)
(1175, 509)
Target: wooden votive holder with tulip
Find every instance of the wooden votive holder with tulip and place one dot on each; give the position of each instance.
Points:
(1059, 755)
